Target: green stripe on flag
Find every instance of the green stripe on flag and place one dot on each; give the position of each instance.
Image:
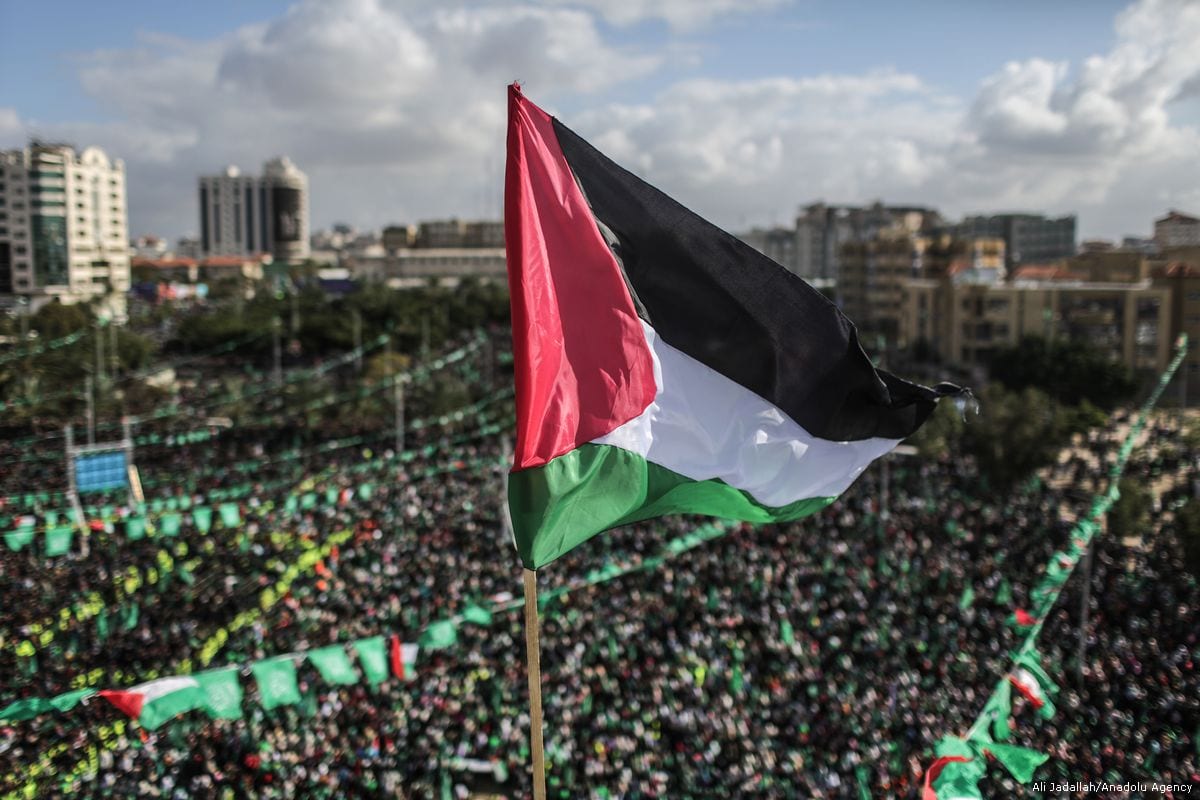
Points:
(562, 504)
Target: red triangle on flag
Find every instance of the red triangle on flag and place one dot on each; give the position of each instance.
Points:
(934, 770)
(397, 657)
(129, 703)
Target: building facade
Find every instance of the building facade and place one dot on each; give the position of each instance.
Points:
(457, 233)
(965, 322)
(242, 215)
(64, 232)
(823, 230)
(1177, 230)
(1182, 280)
(778, 244)
(874, 271)
(1028, 238)
(417, 265)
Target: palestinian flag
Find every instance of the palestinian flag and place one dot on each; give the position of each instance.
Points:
(663, 366)
(403, 658)
(1032, 682)
(153, 703)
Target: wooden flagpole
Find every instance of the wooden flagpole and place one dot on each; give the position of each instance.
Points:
(533, 659)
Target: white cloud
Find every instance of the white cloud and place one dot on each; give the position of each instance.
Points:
(1097, 138)
(396, 111)
(679, 14)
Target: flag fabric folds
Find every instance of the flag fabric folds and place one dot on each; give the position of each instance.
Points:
(276, 680)
(155, 702)
(222, 693)
(58, 539)
(662, 366)
(334, 665)
(372, 657)
(403, 658)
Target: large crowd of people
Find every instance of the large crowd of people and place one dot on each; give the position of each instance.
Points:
(822, 658)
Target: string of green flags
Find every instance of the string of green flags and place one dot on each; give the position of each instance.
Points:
(440, 634)
(960, 762)
(203, 434)
(26, 526)
(41, 347)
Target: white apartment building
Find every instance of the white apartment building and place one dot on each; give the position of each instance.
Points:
(64, 232)
(243, 215)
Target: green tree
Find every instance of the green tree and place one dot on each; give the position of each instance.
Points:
(1131, 513)
(1187, 530)
(1015, 433)
(942, 432)
(1069, 371)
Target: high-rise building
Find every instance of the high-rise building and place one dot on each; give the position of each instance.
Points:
(1177, 230)
(778, 244)
(63, 229)
(243, 215)
(822, 231)
(1028, 238)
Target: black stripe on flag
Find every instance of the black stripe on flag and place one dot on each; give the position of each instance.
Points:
(730, 307)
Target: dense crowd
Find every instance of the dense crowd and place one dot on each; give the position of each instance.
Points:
(800, 660)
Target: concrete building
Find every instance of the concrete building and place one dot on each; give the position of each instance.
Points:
(1177, 229)
(457, 233)
(398, 237)
(1028, 238)
(416, 266)
(64, 233)
(778, 244)
(1182, 280)
(241, 215)
(822, 230)
(874, 271)
(964, 321)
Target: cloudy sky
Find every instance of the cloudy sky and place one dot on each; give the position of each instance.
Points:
(742, 109)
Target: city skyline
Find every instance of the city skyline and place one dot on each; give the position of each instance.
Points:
(743, 111)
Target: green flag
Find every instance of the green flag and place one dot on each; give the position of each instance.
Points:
(864, 783)
(130, 616)
(19, 538)
(968, 598)
(1004, 593)
(276, 679)
(222, 693)
(102, 624)
(786, 633)
(737, 680)
(202, 516)
(230, 516)
(30, 707)
(334, 665)
(135, 528)
(58, 539)
(372, 657)
(308, 500)
(364, 491)
(1000, 707)
(331, 496)
(169, 524)
(1021, 762)
(21, 710)
(439, 635)
(477, 615)
(68, 700)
